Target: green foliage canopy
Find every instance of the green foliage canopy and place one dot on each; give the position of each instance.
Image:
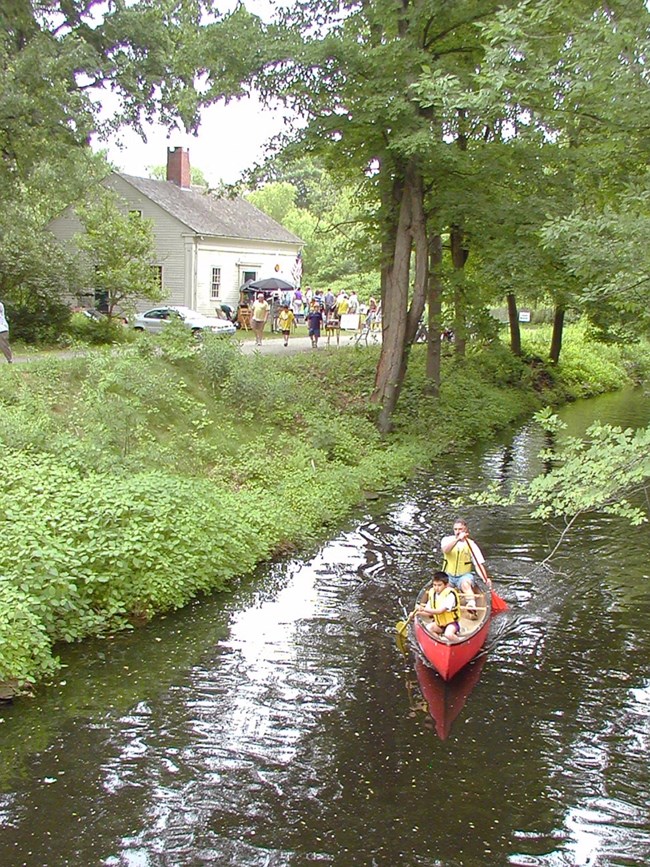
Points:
(120, 251)
(604, 471)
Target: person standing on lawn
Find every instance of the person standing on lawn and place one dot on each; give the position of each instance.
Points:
(286, 321)
(314, 322)
(4, 335)
(260, 315)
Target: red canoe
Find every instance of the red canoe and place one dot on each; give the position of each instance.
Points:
(446, 655)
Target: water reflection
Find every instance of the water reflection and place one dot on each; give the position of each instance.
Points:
(272, 727)
(444, 700)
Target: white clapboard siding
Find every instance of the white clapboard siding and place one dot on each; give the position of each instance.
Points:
(187, 258)
(234, 257)
(169, 233)
(171, 237)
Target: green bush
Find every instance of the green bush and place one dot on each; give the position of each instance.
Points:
(218, 359)
(97, 332)
(38, 319)
(586, 367)
(25, 647)
(91, 549)
(259, 391)
(176, 342)
(138, 477)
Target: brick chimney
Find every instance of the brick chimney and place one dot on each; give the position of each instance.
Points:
(178, 167)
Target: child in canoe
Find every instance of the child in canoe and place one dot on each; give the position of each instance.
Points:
(442, 606)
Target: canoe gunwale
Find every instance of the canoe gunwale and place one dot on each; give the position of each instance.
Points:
(449, 657)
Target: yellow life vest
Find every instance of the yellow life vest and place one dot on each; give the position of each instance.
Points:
(458, 561)
(438, 599)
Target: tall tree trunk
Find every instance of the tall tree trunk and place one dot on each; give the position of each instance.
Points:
(434, 324)
(421, 243)
(459, 256)
(399, 323)
(513, 319)
(395, 280)
(556, 337)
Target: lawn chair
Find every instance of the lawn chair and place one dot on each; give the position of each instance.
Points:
(370, 330)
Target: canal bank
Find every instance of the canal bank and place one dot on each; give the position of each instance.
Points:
(280, 725)
(143, 479)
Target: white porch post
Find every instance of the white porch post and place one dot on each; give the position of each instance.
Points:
(190, 276)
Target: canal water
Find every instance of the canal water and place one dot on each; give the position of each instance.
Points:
(281, 725)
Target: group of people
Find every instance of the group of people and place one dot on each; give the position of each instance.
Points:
(300, 302)
(317, 309)
(461, 556)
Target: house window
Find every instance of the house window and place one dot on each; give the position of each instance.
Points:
(157, 275)
(247, 275)
(215, 284)
(136, 212)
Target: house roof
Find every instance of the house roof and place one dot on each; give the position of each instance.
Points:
(207, 214)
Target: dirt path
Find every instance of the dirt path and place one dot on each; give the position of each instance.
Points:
(273, 346)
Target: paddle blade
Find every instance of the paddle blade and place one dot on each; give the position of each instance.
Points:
(401, 642)
(498, 604)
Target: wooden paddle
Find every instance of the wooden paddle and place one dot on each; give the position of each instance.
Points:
(498, 604)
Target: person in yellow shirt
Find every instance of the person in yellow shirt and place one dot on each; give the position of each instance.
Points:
(286, 320)
(461, 554)
(260, 315)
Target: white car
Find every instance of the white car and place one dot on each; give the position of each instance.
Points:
(155, 320)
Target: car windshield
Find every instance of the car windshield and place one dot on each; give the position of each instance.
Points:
(188, 313)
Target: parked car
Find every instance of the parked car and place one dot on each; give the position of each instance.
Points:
(155, 320)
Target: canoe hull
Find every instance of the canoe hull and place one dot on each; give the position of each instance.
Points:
(448, 657)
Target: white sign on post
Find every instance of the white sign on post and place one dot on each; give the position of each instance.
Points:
(349, 321)
(524, 315)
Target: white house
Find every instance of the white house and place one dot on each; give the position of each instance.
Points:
(207, 247)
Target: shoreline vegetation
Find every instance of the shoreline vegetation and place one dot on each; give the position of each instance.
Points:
(140, 477)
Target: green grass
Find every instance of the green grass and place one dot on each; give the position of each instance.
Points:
(137, 477)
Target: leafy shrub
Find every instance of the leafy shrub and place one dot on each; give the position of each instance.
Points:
(97, 332)
(38, 319)
(258, 391)
(177, 342)
(498, 366)
(586, 367)
(342, 438)
(91, 549)
(636, 359)
(218, 359)
(25, 648)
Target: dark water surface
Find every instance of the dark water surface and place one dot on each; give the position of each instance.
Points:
(281, 726)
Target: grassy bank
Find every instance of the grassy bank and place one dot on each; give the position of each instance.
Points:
(137, 479)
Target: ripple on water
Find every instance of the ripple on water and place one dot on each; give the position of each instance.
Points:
(296, 733)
